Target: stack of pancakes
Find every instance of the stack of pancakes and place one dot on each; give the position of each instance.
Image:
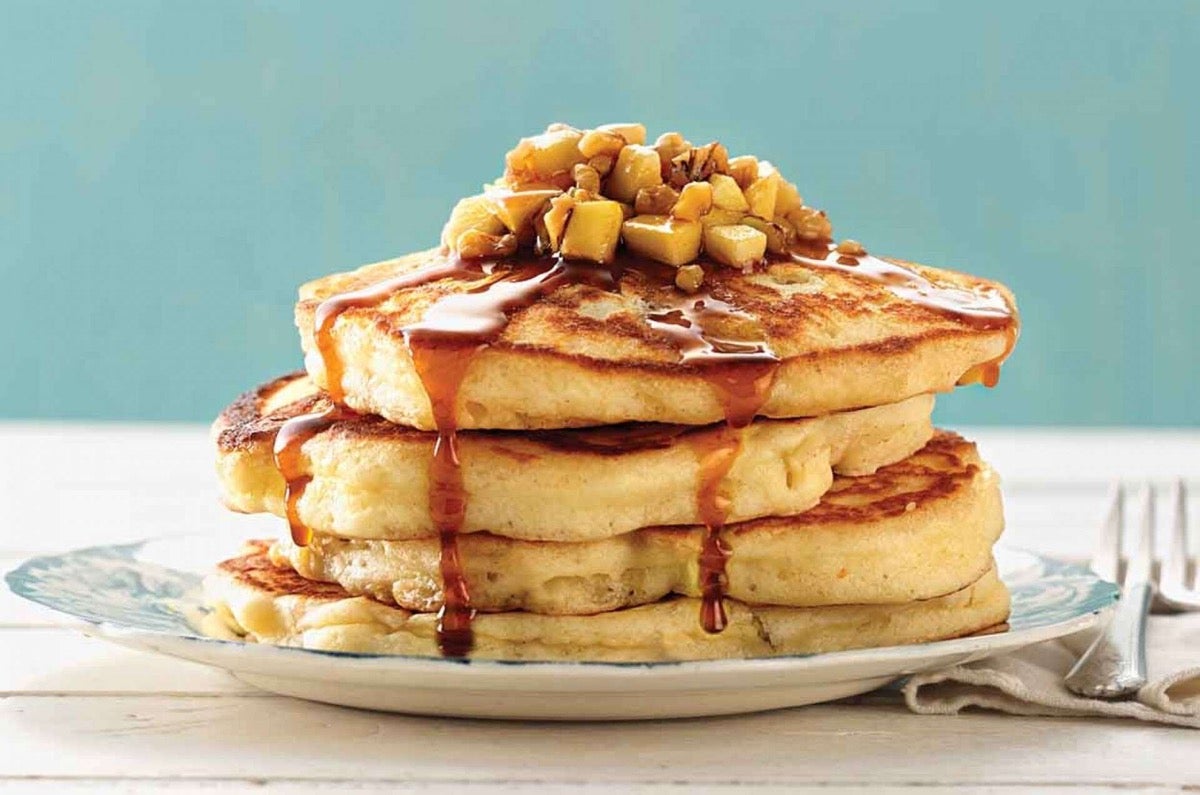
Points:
(530, 457)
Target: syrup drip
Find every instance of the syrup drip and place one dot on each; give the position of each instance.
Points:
(288, 460)
(455, 328)
(980, 309)
(741, 373)
(329, 310)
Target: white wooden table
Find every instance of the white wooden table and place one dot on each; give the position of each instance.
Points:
(78, 714)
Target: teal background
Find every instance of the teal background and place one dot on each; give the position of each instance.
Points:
(169, 172)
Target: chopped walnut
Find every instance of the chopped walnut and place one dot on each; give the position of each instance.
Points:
(586, 178)
(689, 278)
(602, 164)
(657, 200)
(851, 247)
(810, 224)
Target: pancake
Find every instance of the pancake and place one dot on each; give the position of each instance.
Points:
(582, 349)
(271, 604)
(370, 479)
(917, 529)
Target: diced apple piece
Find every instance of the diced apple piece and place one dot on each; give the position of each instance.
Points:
(671, 145)
(473, 244)
(593, 231)
(599, 142)
(694, 201)
(554, 222)
(744, 170)
(788, 199)
(726, 193)
(663, 238)
(637, 167)
(472, 213)
(586, 178)
(779, 237)
(761, 195)
(545, 158)
(737, 246)
(631, 132)
(517, 208)
(719, 217)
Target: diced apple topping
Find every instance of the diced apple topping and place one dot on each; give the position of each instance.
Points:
(637, 167)
(663, 238)
(727, 195)
(582, 194)
(695, 200)
(474, 213)
(554, 222)
(632, 132)
(545, 159)
(744, 170)
(516, 208)
(593, 231)
(761, 196)
(738, 246)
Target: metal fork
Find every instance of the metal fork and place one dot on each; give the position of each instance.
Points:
(1114, 666)
(1179, 588)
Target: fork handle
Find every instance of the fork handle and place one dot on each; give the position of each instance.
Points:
(1114, 666)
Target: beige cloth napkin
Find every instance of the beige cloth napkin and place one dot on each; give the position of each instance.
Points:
(1029, 681)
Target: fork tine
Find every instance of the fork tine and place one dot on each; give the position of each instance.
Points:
(1141, 565)
(1175, 560)
(1106, 560)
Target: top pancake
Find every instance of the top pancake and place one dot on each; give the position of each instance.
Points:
(582, 354)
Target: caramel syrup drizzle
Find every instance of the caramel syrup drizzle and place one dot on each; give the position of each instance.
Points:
(985, 309)
(289, 460)
(741, 373)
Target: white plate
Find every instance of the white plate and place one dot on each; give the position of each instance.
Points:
(147, 596)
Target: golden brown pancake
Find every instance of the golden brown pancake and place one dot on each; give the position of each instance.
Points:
(580, 354)
(272, 604)
(370, 478)
(916, 529)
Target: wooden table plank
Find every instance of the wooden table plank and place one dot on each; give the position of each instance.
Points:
(274, 737)
(59, 786)
(64, 662)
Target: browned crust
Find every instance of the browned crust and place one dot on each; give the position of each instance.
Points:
(942, 468)
(245, 425)
(255, 569)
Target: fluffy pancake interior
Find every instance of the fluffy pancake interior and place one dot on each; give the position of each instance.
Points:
(370, 479)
